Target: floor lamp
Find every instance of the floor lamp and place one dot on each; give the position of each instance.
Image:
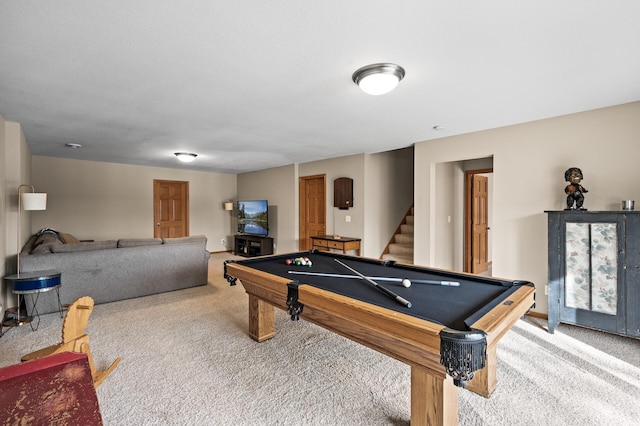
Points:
(228, 206)
(28, 201)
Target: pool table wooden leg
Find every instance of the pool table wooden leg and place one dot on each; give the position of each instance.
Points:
(262, 324)
(434, 400)
(484, 381)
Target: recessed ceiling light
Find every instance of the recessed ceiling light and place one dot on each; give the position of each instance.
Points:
(378, 79)
(73, 145)
(186, 157)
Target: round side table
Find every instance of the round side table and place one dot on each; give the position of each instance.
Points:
(33, 284)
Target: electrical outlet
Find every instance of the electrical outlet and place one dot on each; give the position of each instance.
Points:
(546, 290)
(347, 218)
(223, 242)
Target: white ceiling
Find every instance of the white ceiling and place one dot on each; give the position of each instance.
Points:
(249, 85)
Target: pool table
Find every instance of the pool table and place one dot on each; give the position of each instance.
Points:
(447, 333)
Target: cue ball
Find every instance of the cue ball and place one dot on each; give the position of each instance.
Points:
(406, 283)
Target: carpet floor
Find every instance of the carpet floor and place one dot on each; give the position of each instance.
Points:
(187, 360)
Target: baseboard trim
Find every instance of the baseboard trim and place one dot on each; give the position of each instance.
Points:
(537, 315)
(211, 253)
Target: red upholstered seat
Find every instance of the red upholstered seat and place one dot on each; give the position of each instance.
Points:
(55, 389)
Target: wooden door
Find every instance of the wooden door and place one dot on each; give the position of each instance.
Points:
(476, 227)
(170, 208)
(312, 209)
(480, 224)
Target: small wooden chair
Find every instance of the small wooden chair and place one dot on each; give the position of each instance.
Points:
(74, 339)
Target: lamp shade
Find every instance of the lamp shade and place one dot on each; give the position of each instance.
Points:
(34, 201)
(228, 206)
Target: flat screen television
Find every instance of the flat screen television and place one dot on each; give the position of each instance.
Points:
(253, 217)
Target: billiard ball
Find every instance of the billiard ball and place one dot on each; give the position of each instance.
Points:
(406, 282)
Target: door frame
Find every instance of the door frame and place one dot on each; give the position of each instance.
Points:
(302, 217)
(468, 215)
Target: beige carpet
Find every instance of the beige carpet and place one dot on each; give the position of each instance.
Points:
(187, 360)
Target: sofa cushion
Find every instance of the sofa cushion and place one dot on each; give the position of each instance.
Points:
(185, 240)
(136, 242)
(98, 245)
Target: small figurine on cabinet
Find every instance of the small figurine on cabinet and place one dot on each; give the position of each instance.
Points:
(574, 190)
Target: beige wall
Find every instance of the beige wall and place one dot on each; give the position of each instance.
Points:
(444, 229)
(529, 161)
(388, 196)
(449, 216)
(383, 191)
(16, 166)
(279, 187)
(101, 201)
(351, 166)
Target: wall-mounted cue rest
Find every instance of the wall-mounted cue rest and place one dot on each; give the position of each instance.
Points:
(343, 193)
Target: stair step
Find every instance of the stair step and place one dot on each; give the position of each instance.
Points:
(406, 229)
(404, 238)
(401, 249)
(399, 259)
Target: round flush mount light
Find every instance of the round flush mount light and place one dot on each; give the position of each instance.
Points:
(186, 157)
(378, 79)
(73, 145)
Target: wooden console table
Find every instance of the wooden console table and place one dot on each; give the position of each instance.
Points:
(327, 242)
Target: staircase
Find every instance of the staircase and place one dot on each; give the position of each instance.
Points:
(400, 248)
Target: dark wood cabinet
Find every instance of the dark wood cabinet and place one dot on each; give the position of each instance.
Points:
(594, 270)
(343, 193)
(252, 245)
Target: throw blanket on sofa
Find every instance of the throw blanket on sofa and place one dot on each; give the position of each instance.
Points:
(44, 239)
(41, 241)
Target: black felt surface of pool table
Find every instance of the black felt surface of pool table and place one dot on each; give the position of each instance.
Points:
(453, 307)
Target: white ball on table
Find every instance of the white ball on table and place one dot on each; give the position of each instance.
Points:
(406, 282)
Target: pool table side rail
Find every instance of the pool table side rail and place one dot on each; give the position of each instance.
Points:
(496, 323)
(502, 317)
(406, 338)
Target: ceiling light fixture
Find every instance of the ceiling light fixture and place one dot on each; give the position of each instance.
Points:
(73, 145)
(186, 157)
(378, 79)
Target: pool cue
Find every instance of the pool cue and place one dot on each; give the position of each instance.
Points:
(386, 291)
(388, 279)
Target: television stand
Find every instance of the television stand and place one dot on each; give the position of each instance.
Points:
(252, 245)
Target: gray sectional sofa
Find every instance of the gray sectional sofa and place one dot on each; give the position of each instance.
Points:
(115, 270)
